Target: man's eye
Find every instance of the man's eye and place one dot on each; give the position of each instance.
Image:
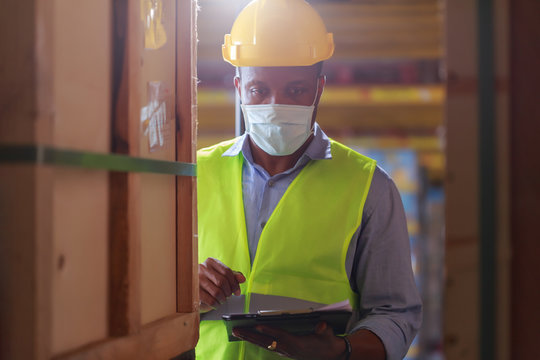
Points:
(296, 91)
(257, 91)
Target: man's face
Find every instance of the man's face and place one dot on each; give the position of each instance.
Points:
(280, 85)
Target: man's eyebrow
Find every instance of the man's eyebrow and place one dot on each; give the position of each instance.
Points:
(256, 82)
(298, 82)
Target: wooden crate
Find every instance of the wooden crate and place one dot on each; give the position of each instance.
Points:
(97, 252)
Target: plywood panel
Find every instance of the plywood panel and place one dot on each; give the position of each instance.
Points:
(17, 292)
(82, 58)
(79, 262)
(55, 279)
(17, 95)
(158, 247)
(157, 141)
(81, 96)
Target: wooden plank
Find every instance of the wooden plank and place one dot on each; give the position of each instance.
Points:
(31, 261)
(157, 141)
(158, 247)
(124, 234)
(25, 216)
(82, 60)
(158, 340)
(25, 262)
(18, 275)
(80, 271)
(17, 266)
(81, 65)
(186, 110)
(19, 68)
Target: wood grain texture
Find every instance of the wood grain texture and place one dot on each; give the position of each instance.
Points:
(157, 195)
(124, 242)
(54, 287)
(25, 190)
(17, 184)
(81, 94)
(18, 68)
(162, 339)
(17, 267)
(186, 115)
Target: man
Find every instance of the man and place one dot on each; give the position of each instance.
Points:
(291, 219)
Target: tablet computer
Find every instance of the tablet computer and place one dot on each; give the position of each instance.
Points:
(299, 323)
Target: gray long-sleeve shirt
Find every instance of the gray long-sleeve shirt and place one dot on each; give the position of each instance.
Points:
(378, 260)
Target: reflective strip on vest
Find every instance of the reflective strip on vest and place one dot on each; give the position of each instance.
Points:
(302, 249)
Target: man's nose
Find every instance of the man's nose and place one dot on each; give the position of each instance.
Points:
(277, 98)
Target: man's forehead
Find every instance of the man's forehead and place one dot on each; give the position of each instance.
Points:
(284, 73)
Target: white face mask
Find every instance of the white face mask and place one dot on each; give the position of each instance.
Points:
(279, 129)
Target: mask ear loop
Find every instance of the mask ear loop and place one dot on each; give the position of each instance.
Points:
(317, 90)
(312, 129)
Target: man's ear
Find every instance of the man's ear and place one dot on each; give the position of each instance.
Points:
(237, 86)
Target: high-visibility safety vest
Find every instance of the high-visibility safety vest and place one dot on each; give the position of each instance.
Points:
(302, 248)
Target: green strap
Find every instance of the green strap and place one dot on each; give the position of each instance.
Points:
(45, 155)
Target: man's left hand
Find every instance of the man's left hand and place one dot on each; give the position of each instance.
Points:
(322, 344)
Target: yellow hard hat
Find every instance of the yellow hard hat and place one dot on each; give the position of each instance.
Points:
(278, 33)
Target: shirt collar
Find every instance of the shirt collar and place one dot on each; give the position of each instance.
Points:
(319, 148)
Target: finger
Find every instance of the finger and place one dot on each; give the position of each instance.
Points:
(286, 342)
(223, 276)
(206, 283)
(241, 279)
(233, 278)
(207, 300)
(215, 292)
(218, 276)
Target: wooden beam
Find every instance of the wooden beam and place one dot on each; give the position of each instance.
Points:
(161, 339)
(124, 238)
(186, 115)
(25, 190)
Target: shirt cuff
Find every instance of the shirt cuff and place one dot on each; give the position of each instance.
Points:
(394, 340)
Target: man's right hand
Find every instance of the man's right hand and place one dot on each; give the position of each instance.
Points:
(216, 283)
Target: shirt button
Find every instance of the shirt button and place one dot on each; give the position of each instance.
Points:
(263, 224)
(270, 183)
